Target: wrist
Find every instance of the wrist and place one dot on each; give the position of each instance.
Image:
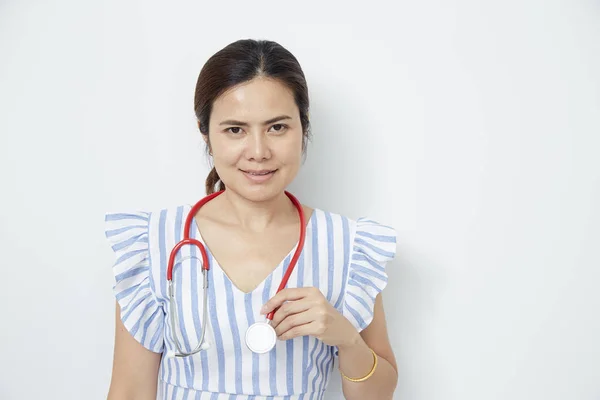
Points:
(352, 341)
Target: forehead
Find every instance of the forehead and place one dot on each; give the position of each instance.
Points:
(255, 100)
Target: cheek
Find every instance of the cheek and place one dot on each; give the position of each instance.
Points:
(291, 152)
(227, 152)
(294, 157)
(291, 157)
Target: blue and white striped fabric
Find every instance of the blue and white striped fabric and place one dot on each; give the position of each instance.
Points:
(344, 258)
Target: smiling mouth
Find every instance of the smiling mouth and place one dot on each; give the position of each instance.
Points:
(259, 173)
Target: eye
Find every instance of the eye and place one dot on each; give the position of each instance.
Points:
(279, 128)
(234, 129)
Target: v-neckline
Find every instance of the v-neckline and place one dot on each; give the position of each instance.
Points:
(214, 263)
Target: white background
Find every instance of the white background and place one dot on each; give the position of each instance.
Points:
(472, 127)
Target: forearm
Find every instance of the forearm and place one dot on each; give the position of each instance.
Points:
(356, 361)
(123, 391)
(122, 396)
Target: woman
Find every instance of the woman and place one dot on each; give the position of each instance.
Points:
(251, 103)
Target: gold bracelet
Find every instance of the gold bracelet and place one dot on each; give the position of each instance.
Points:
(364, 378)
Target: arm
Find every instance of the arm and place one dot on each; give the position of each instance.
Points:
(356, 360)
(305, 311)
(135, 368)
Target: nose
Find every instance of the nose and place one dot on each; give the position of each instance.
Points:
(258, 147)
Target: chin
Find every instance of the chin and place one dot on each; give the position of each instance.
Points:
(259, 193)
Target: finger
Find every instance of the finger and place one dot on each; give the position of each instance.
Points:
(294, 320)
(288, 294)
(290, 308)
(298, 330)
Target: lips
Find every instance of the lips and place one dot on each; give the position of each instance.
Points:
(259, 172)
(259, 176)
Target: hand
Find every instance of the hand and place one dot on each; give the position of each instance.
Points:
(305, 311)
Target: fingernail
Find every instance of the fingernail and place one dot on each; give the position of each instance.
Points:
(263, 309)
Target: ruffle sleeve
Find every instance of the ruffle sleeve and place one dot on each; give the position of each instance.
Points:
(374, 245)
(141, 313)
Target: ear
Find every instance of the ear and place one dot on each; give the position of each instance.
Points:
(206, 141)
(205, 137)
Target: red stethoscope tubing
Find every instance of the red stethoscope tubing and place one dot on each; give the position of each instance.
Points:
(205, 264)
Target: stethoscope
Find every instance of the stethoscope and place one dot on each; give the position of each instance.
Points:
(260, 336)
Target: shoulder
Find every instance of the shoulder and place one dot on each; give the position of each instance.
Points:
(362, 231)
(132, 217)
(125, 228)
(369, 245)
(359, 249)
(128, 234)
(138, 230)
(360, 239)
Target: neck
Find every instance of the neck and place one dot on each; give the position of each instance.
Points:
(257, 216)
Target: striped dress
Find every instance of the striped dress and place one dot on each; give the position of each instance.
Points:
(342, 257)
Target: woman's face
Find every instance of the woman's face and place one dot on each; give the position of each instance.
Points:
(255, 136)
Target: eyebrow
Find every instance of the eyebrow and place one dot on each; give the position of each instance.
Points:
(267, 122)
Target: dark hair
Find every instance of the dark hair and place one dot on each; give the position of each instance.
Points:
(239, 62)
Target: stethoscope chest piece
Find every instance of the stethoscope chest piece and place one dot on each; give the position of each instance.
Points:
(261, 337)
